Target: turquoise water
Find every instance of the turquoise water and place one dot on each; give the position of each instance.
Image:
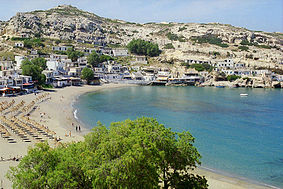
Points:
(242, 136)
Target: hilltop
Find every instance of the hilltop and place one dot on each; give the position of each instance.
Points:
(179, 41)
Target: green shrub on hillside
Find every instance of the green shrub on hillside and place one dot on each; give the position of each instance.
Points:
(142, 47)
(233, 77)
(246, 42)
(182, 29)
(211, 39)
(199, 67)
(174, 37)
(243, 48)
(169, 46)
(32, 43)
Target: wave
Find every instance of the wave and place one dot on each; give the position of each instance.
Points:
(75, 114)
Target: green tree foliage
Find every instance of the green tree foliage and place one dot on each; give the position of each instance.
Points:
(182, 29)
(93, 59)
(199, 67)
(128, 154)
(104, 58)
(169, 46)
(58, 41)
(87, 74)
(211, 39)
(41, 62)
(171, 36)
(73, 54)
(174, 37)
(34, 68)
(33, 43)
(142, 47)
(215, 53)
(243, 48)
(233, 77)
(246, 42)
(252, 43)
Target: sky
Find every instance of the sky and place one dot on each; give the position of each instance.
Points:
(259, 15)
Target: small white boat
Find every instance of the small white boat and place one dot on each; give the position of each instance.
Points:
(244, 94)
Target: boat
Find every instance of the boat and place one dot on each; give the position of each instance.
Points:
(244, 94)
(220, 86)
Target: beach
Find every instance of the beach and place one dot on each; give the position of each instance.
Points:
(57, 114)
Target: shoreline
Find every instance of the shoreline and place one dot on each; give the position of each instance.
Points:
(60, 112)
(221, 180)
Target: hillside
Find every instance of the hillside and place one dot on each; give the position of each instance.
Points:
(179, 41)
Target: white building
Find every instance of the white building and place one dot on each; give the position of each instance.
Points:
(191, 61)
(82, 62)
(120, 52)
(58, 57)
(75, 71)
(140, 60)
(55, 66)
(19, 60)
(19, 44)
(61, 48)
(6, 65)
(226, 64)
(113, 68)
(49, 74)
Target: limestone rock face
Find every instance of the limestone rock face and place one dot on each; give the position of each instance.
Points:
(63, 22)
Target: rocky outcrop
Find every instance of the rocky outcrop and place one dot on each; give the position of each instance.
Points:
(63, 22)
(255, 82)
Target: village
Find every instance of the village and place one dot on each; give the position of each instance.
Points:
(61, 71)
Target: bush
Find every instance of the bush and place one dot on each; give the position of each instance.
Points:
(47, 86)
(232, 77)
(243, 48)
(19, 39)
(264, 46)
(215, 53)
(211, 39)
(246, 42)
(169, 46)
(142, 47)
(182, 29)
(174, 37)
(31, 43)
(201, 67)
(73, 54)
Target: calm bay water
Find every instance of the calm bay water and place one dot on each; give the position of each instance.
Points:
(242, 136)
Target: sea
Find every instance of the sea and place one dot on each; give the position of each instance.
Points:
(239, 136)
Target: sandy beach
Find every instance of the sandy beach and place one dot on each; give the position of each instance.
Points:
(55, 112)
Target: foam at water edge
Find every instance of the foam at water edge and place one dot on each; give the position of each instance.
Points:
(75, 114)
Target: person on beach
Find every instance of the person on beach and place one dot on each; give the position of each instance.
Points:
(70, 134)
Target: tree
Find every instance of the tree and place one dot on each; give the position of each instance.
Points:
(104, 58)
(87, 74)
(233, 77)
(73, 54)
(32, 68)
(142, 47)
(128, 154)
(93, 59)
(41, 62)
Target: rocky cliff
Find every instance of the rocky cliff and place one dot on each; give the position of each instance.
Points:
(179, 41)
